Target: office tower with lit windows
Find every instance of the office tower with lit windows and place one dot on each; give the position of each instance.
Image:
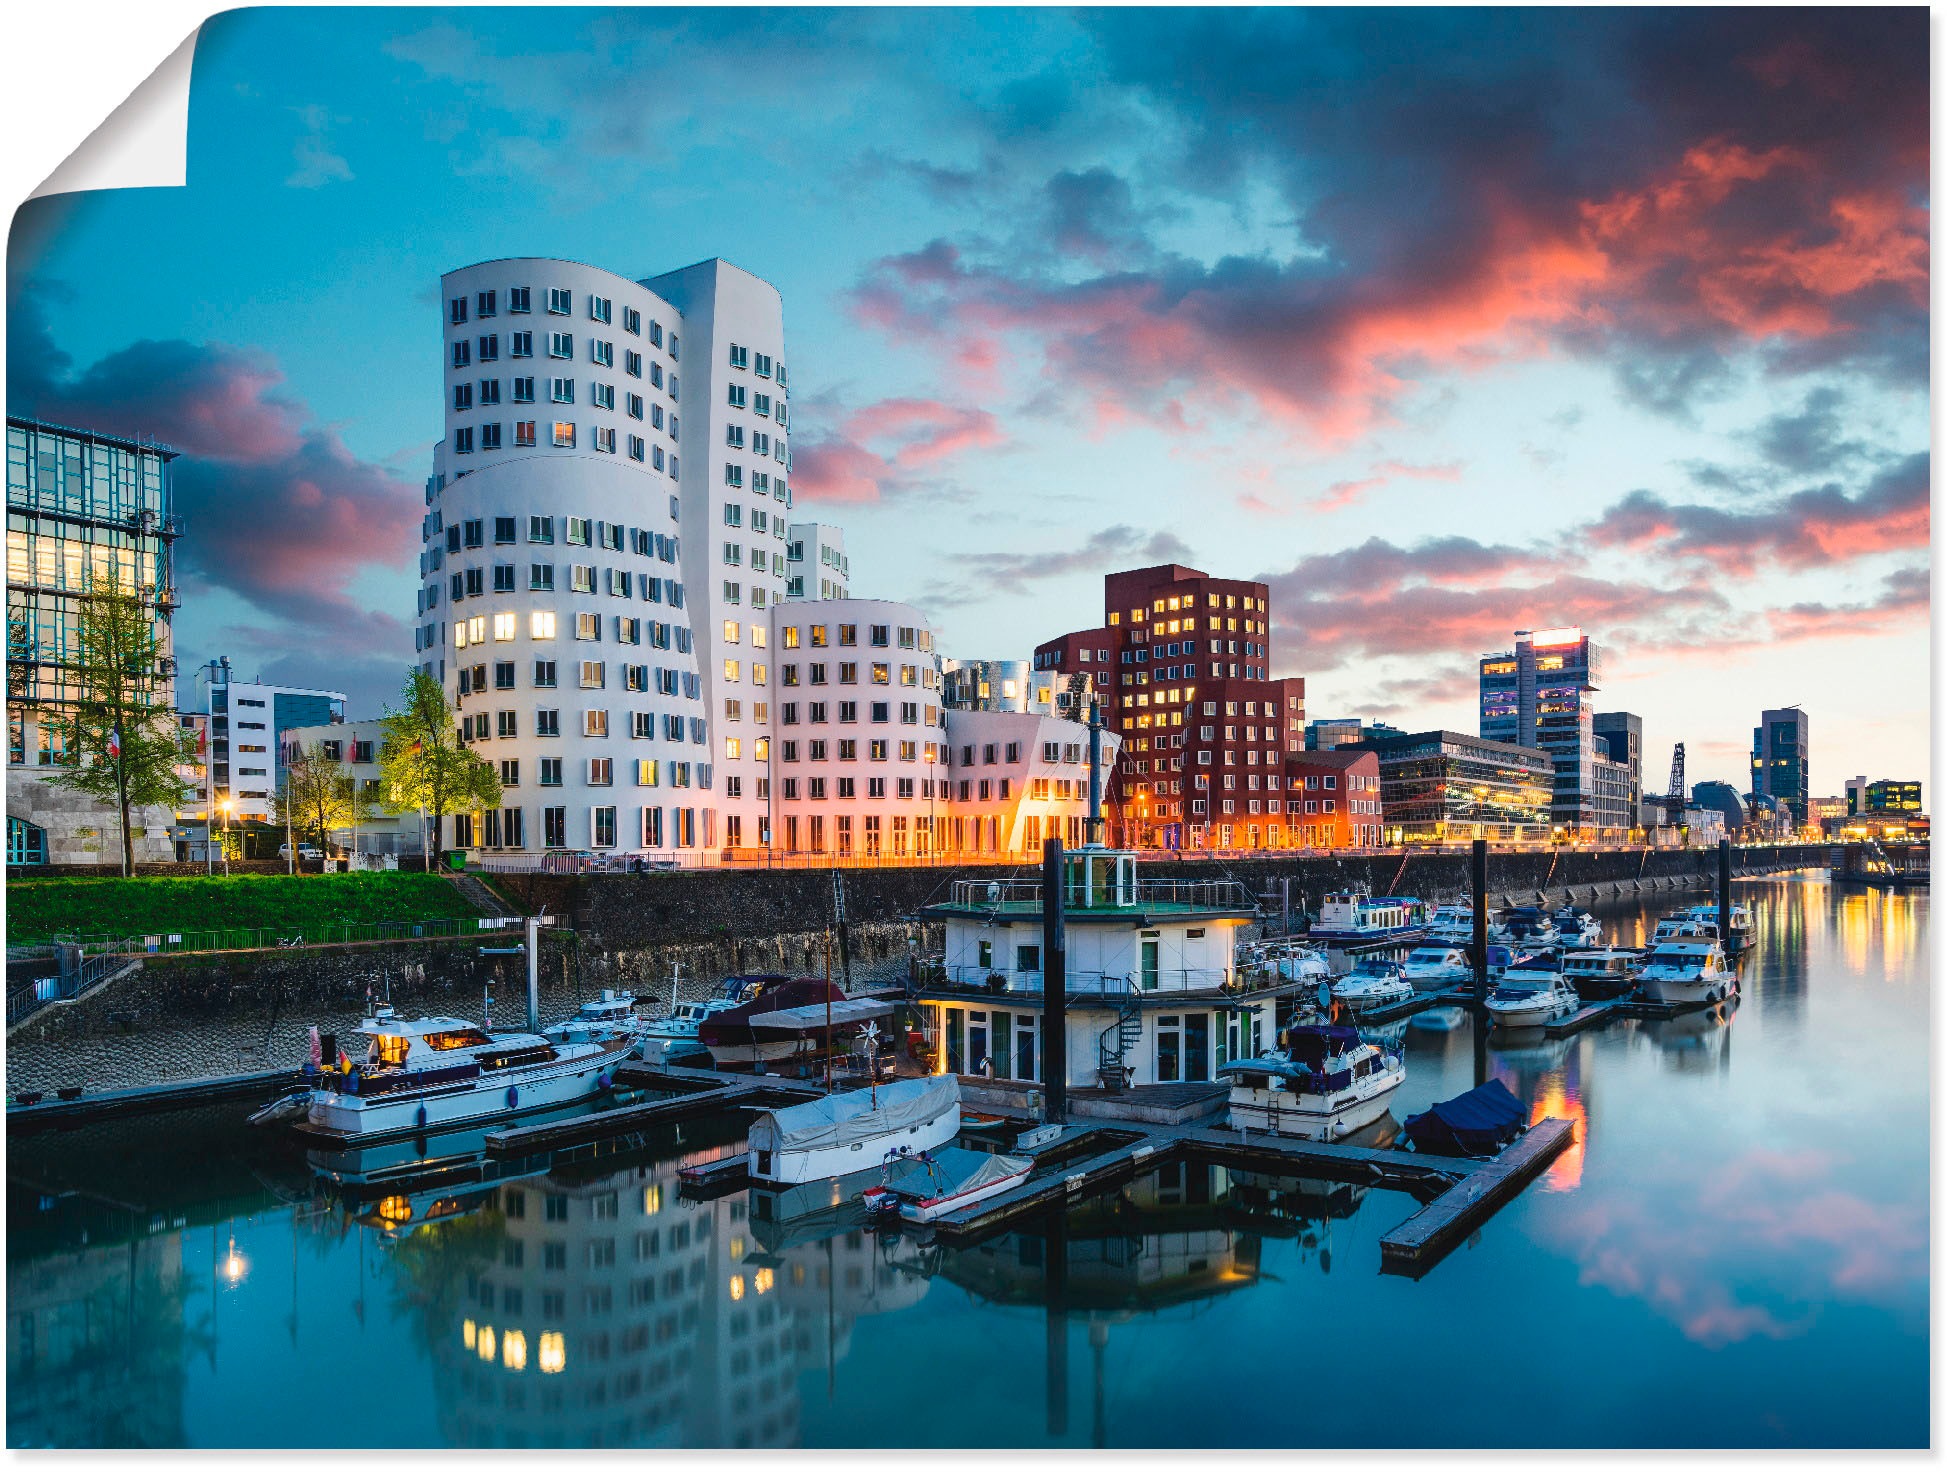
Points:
(1781, 758)
(1538, 694)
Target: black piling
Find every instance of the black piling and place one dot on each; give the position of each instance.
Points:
(1054, 984)
(1479, 877)
(1724, 894)
(1055, 1245)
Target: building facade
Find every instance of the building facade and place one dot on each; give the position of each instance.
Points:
(1781, 747)
(1893, 797)
(1446, 787)
(1538, 694)
(79, 505)
(247, 720)
(1325, 735)
(1333, 799)
(815, 561)
(1620, 734)
(1183, 661)
(988, 684)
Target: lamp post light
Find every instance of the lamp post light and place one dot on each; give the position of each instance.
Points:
(226, 805)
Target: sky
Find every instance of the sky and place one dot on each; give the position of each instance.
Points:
(1443, 323)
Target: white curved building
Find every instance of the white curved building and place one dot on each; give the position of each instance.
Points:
(603, 592)
(557, 606)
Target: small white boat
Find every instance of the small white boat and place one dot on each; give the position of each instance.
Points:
(1741, 937)
(1687, 968)
(929, 1186)
(1530, 929)
(1601, 974)
(1435, 968)
(1372, 984)
(1532, 993)
(1453, 925)
(1292, 960)
(1325, 1083)
(843, 1134)
(610, 1015)
(438, 1072)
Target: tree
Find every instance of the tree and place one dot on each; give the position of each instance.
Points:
(120, 734)
(317, 797)
(422, 764)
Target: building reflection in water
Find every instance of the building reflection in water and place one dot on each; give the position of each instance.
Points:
(1549, 1074)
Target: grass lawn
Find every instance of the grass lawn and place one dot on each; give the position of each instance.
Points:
(39, 909)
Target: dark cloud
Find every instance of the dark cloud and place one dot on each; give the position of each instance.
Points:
(1674, 193)
(1813, 439)
(1817, 527)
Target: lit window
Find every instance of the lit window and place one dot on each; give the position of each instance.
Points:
(540, 624)
(503, 626)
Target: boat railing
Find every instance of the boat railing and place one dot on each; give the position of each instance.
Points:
(1025, 894)
(976, 980)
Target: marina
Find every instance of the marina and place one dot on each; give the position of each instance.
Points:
(1590, 1086)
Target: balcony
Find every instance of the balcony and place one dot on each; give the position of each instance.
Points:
(1126, 902)
(1163, 988)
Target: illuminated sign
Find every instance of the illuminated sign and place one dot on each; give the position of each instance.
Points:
(1555, 636)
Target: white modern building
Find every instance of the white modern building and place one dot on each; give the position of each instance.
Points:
(247, 721)
(988, 684)
(609, 615)
(816, 565)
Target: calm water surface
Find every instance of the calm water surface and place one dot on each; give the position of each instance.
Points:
(1736, 1254)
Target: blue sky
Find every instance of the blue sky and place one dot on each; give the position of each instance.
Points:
(1444, 323)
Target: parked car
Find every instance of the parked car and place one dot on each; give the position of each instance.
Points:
(305, 851)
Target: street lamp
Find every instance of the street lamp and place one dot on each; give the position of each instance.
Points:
(226, 805)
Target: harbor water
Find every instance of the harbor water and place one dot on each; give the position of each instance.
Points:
(1733, 1253)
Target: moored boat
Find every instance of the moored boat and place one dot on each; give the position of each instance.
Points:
(1601, 974)
(1530, 928)
(1355, 917)
(1324, 1083)
(1687, 968)
(1372, 984)
(1532, 993)
(1435, 968)
(1578, 928)
(437, 1072)
(1478, 1122)
(845, 1134)
(942, 1181)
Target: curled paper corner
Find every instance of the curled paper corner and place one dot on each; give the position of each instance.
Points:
(144, 143)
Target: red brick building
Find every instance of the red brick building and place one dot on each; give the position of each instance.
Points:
(1185, 661)
(1332, 799)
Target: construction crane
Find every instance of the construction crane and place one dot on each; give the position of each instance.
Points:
(1677, 790)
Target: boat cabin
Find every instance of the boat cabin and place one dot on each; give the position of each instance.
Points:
(431, 1050)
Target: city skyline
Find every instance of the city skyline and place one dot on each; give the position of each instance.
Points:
(1624, 328)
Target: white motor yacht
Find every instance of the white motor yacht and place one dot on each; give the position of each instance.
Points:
(1293, 960)
(1435, 968)
(1578, 928)
(1532, 993)
(610, 1015)
(1453, 925)
(1741, 936)
(1687, 968)
(1323, 1084)
(437, 1072)
(1372, 984)
(1530, 929)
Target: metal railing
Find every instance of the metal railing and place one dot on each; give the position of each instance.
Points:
(1025, 894)
(981, 981)
(23, 1002)
(279, 937)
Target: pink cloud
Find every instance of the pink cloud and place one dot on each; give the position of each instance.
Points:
(880, 446)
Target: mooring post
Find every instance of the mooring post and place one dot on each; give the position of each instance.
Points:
(1055, 1246)
(1479, 877)
(533, 949)
(1054, 986)
(1724, 894)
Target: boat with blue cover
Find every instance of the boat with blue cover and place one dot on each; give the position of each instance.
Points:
(1478, 1122)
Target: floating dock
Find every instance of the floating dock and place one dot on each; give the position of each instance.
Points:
(53, 1111)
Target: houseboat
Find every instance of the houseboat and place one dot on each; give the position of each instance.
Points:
(1155, 993)
(1324, 1083)
(438, 1072)
(1355, 917)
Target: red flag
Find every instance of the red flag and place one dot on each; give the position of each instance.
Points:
(202, 740)
(115, 743)
(415, 748)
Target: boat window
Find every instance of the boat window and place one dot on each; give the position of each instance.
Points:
(466, 1037)
(390, 1049)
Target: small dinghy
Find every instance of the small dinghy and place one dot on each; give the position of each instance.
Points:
(931, 1185)
(971, 1122)
(1478, 1122)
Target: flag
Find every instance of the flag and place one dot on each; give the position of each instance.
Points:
(115, 743)
(202, 740)
(317, 1047)
(415, 748)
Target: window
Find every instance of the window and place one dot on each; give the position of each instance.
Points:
(462, 397)
(601, 771)
(561, 390)
(463, 441)
(548, 723)
(632, 320)
(517, 299)
(489, 346)
(524, 433)
(520, 344)
(634, 403)
(540, 577)
(540, 622)
(588, 626)
(605, 441)
(637, 447)
(560, 302)
(504, 622)
(456, 312)
(593, 673)
(598, 308)
(594, 723)
(561, 345)
(763, 368)
(564, 435)
(601, 353)
(739, 397)
(544, 674)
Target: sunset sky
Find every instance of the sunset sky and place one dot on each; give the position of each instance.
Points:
(1446, 323)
